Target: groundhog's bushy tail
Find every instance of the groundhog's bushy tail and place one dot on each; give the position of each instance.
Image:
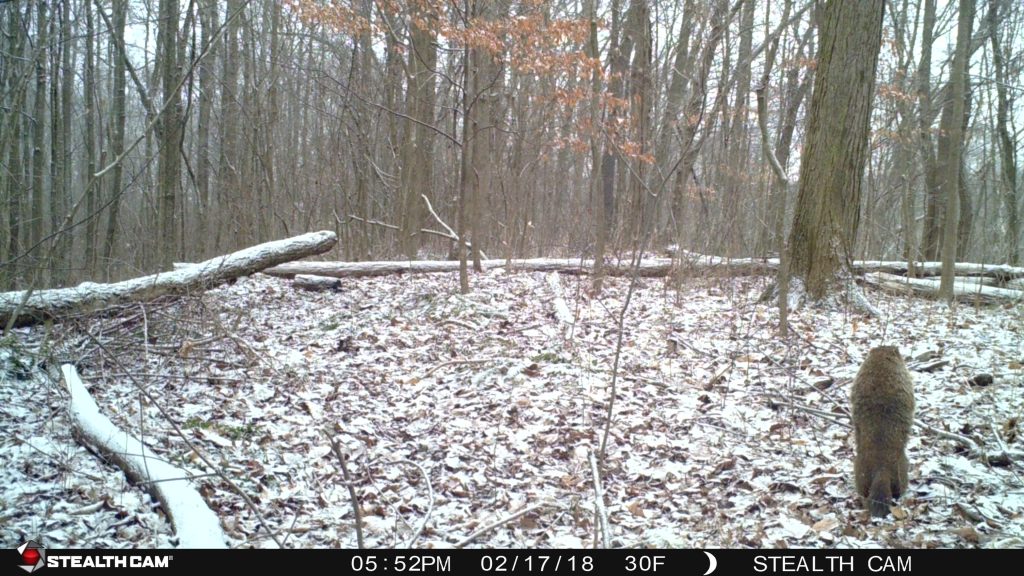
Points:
(880, 494)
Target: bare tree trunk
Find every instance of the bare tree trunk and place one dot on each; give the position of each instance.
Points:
(170, 135)
(954, 160)
(600, 224)
(641, 87)
(208, 19)
(692, 116)
(15, 185)
(60, 84)
(933, 200)
(835, 152)
(229, 182)
(119, 16)
(737, 177)
(1007, 155)
(485, 120)
(466, 181)
(39, 135)
(620, 46)
(89, 96)
(417, 151)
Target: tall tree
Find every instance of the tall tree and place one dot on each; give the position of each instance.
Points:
(951, 182)
(1007, 149)
(738, 143)
(835, 150)
(119, 116)
(14, 81)
(930, 237)
(39, 129)
(209, 15)
(170, 135)
(418, 144)
(229, 181)
(89, 96)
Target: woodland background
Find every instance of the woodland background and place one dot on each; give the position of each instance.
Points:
(138, 133)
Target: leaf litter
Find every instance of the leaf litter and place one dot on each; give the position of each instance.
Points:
(455, 412)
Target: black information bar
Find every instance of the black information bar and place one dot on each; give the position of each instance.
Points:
(519, 562)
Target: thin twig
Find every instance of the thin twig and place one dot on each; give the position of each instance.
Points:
(964, 441)
(462, 543)
(455, 362)
(599, 508)
(430, 495)
(451, 233)
(351, 490)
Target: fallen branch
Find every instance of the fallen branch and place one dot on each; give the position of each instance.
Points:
(964, 441)
(476, 534)
(90, 296)
(562, 312)
(396, 228)
(192, 447)
(451, 233)
(356, 510)
(430, 496)
(194, 523)
(599, 509)
(965, 289)
(457, 362)
(656, 267)
(316, 283)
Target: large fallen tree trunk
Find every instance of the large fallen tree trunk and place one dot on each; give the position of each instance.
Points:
(999, 272)
(29, 307)
(1002, 273)
(652, 267)
(965, 289)
(194, 523)
(701, 264)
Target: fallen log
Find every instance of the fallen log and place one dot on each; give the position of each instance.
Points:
(652, 268)
(316, 283)
(965, 289)
(1000, 272)
(194, 523)
(29, 307)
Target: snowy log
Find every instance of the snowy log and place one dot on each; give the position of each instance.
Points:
(89, 296)
(691, 263)
(653, 267)
(1000, 272)
(562, 312)
(965, 289)
(316, 283)
(194, 523)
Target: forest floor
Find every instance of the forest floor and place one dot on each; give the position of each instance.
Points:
(458, 411)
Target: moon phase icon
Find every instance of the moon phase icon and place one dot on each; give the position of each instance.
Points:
(712, 563)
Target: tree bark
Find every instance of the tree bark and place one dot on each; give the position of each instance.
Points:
(29, 307)
(828, 201)
(208, 20)
(113, 179)
(1007, 155)
(170, 134)
(417, 146)
(39, 134)
(951, 182)
(89, 96)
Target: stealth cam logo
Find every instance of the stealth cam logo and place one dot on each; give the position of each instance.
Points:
(33, 556)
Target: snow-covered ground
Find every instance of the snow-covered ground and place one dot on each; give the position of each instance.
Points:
(461, 410)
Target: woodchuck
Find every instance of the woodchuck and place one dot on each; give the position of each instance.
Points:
(882, 403)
